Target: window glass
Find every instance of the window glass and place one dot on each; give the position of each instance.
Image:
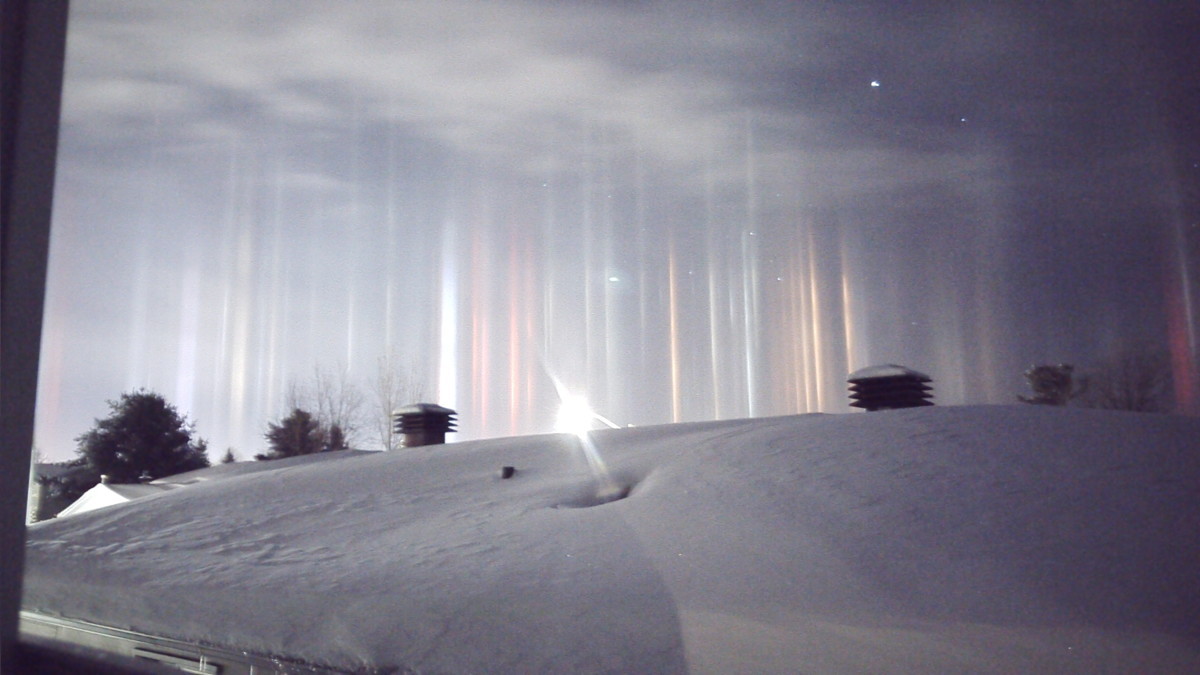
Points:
(543, 214)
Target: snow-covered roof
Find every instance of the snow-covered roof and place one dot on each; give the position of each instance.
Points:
(885, 370)
(242, 468)
(937, 539)
(110, 494)
(420, 408)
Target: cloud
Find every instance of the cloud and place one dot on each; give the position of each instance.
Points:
(491, 79)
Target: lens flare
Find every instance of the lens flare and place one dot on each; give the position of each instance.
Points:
(575, 416)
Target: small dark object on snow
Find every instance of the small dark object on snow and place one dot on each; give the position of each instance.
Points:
(888, 387)
(507, 471)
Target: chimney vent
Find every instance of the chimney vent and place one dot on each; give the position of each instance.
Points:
(423, 424)
(888, 387)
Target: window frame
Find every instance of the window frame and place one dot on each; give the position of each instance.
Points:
(32, 54)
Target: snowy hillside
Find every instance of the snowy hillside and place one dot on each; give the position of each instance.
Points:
(972, 539)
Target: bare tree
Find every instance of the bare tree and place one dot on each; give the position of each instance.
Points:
(1136, 378)
(297, 396)
(395, 386)
(334, 401)
(339, 403)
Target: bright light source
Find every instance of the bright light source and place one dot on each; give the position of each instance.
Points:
(575, 416)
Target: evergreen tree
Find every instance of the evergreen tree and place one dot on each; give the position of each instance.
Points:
(296, 434)
(335, 439)
(144, 436)
(228, 457)
(1052, 385)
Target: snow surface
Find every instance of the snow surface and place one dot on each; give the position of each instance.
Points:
(973, 539)
(241, 468)
(103, 495)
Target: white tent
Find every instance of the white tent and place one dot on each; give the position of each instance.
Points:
(107, 494)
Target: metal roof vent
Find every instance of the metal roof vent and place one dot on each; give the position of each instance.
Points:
(423, 424)
(889, 386)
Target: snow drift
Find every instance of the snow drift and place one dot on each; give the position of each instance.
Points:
(969, 539)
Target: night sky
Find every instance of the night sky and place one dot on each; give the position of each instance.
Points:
(678, 210)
